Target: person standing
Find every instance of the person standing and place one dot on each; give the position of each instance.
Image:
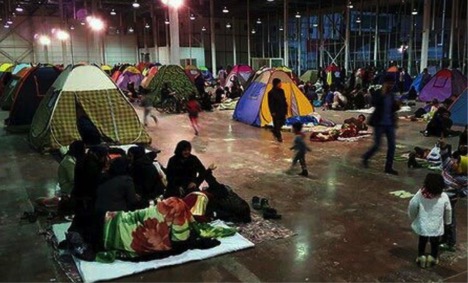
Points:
(301, 149)
(193, 109)
(384, 122)
(147, 103)
(429, 210)
(278, 108)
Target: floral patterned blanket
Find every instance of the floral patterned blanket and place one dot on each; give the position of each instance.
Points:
(153, 229)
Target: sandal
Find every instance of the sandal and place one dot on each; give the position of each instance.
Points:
(256, 203)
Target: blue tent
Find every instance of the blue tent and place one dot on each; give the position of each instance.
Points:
(459, 109)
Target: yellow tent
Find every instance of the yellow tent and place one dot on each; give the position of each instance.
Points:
(106, 68)
(253, 108)
(6, 67)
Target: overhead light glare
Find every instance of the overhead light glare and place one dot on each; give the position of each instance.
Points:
(19, 8)
(192, 17)
(259, 21)
(228, 25)
(414, 12)
(113, 13)
(203, 28)
(298, 15)
(166, 22)
(136, 4)
(173, 3)
(225, 10)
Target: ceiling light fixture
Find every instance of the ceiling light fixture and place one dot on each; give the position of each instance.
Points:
(19, 8)
(414, 12)
(192, 17)
(44, 40)
(136, 4)
(298, 15)
(203, 28)
(147, 26)
(350, 5)
(130, 30)
(166, 21)
(315, 25)
(72, 27)
(358, 20)
(174, 3)
(6, 25)
(225, 10)
(228, 25)
(259, 21)
(9, 21)
(113, 13)
(281, 28)
(253, 31)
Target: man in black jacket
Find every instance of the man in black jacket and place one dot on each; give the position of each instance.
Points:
(384, 122)
(278, 108)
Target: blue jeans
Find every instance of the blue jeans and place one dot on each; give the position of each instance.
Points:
(389, 131)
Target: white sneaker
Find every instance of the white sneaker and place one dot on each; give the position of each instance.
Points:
(421, 261)
(431, 261)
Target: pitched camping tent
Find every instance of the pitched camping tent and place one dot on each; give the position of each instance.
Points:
(443, 84)
(252, 107)
(177, 79)
(309, 76)
(129, 75)
(27, 93)
(149, 76)
(240, 74)
(5, 75)
(459, 109)
(86, 86)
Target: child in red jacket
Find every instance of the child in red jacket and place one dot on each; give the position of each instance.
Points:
(193, 108)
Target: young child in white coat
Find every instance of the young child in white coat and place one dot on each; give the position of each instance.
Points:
(429, 210)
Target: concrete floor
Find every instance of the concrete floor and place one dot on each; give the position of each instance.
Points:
(349, 228)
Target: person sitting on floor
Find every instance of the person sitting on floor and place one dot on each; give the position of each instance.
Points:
(185, 172)
(440, 124)
(66, 170)
(148, 182)
(359, 122)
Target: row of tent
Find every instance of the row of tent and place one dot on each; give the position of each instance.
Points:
(45, 101)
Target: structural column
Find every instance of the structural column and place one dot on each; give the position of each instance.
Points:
(155, 30)
(234, 47)
(285, 34)
(174, 33)
(376, 35)
(347, 36)
(248, 34)
(212, 36)
(425, 33)
(452, 31)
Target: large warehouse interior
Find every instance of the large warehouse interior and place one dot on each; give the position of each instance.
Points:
(234, 140)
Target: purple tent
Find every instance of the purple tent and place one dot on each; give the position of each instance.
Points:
(129, 77)
(444, 84)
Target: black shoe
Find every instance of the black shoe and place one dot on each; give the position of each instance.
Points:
(304, 173)
(391, 171)
(256, 203)
(365, 163)
(271, 213)
(264, 203)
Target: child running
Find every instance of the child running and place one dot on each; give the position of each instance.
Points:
(429, 210)
(193, 108)
(301, 148)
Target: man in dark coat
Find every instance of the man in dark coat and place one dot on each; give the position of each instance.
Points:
(278, 108)
(384, 122)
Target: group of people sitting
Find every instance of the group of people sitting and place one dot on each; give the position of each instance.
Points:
(101, 179)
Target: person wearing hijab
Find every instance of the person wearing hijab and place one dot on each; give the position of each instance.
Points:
(148, 182)
(66, 170)
(118, 192)
(185, 172)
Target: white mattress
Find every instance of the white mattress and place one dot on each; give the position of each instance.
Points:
(95, 271)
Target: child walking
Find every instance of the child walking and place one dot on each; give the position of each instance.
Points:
(193, 108)
(429, 210)
(300, 147)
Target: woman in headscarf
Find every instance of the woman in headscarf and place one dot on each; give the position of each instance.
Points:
(185, 172)
(148, 181)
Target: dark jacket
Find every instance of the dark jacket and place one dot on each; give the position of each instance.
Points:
(148, 183)
(277, 102)
(378, 101)
(116, 194)
(183, 171)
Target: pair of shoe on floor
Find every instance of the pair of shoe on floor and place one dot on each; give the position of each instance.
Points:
(427, 261)
(262, 204)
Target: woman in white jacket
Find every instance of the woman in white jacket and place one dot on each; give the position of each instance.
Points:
(429, 210)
